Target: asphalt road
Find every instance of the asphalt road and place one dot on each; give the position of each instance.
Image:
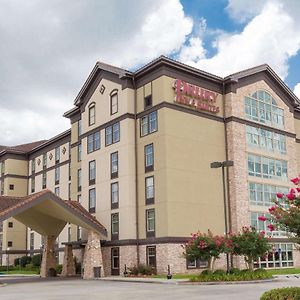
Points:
(108, 290)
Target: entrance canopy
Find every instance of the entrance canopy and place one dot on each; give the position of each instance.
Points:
(48, 214)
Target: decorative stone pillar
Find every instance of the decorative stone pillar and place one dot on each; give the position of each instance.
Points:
(68, 264)
(48, 259)
(92, 256)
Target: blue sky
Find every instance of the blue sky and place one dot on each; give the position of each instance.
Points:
(218, 17)
(47, 49)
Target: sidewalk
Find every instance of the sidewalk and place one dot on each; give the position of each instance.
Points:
(144, 280)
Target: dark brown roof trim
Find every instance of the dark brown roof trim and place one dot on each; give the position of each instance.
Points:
(14, 176)
(20, 204)
(254, 124)
(51, 144)
(147, 241)
(297, 140)
(103, 126)
(184, 109)
(50, 168)
(13, 156)
(265, 68)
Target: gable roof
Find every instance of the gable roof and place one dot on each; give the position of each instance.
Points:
(14, 206)
(20, 149)
(267, 69)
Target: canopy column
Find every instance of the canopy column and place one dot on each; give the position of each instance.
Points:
(92, 262)
(68, 263)
(48, 260)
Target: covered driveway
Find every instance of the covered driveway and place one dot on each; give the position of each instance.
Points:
(48, 214)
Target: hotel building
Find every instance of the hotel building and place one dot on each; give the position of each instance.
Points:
(138, 157)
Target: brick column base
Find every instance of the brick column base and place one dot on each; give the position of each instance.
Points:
(48, 260)
(68, 264)
(92, 256)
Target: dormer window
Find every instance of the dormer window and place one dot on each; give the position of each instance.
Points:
(92, 112)
(114, 102)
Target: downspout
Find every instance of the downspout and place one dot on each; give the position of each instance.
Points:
(136, 173)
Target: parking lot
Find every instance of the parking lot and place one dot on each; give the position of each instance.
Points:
(98, 289)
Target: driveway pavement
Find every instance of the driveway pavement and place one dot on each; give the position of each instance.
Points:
(111, 290)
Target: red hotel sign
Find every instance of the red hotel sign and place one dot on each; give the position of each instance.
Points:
(194, 96)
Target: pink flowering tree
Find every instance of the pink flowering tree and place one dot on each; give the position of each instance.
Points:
(285, 214)
(206, 247)
(251, 244)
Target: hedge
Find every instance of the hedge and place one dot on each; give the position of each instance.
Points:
(233, 275)
(291, 293)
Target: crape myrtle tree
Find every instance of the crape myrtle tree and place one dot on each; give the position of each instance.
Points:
(248, 243)
(206, 247)
(285, 213)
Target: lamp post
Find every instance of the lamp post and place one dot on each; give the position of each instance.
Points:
(7, 259)
(223, 165)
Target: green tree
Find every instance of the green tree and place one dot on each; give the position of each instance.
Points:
(250, 244)
(206, 247)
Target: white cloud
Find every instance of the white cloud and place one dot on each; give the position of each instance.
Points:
(297, 90)
(272, 37)
(47, 50)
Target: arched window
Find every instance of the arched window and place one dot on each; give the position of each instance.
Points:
(262, 107)
(114, 102)
(92, 114)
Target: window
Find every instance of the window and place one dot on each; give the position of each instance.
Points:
(79, 149)
(262, 107)
(69, 234)
(147, 101)
(11, 187)
(2, 168)
(149, 158)
(92, 172)
(56, 191)
(260, 166)
(44, 180)
(44, 160)
(115, 259)
(151, 256)
(69, 191)
(114, 103)
(57, 155)
(32, 185)
(263, 225)
(112, 134)
(79, 198)
(33, 166)
(69, 171)
(114, 165)
(57, 175)
(114, 226)
(9, 244)
(264, 194)
(92, 111)
(79, 180)
(196, 264)
(267, 140)
(31, 243)
(10, 224)
(150, 223)
(149, 190)
(79, 127)
(280, 256)
(79, 233)
(92, 200)
(148, 123)
(93, 142)
(2, 187)
(114, 195)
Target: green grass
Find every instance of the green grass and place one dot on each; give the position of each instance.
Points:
(20, 272)
(284, 271)
(271, 272)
